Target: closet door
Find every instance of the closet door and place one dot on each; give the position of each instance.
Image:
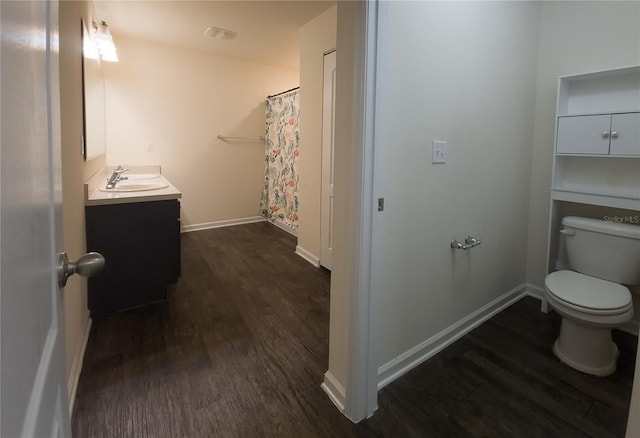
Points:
(328, 117)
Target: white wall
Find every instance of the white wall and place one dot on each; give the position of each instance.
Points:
(316, 37)
(180, 100)
(465, 73)
(74, 173)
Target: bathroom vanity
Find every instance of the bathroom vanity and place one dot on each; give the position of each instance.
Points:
(138, 233)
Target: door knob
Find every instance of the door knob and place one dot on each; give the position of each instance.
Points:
(88, 265)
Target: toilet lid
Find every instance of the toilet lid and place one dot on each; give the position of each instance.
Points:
(588, 292)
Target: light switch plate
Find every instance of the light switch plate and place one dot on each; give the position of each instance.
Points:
(438, 152)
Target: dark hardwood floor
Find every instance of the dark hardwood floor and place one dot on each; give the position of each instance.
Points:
(240, 349)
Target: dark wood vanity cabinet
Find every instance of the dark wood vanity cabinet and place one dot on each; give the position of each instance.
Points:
(141, 244)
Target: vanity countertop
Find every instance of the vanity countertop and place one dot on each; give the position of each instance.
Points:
(95, 196)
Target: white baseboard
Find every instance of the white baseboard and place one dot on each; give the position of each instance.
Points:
(76, 368)
(223, 223)
(537, 292)
(283, 227)
(395, 368)
(314, 260)
(534, 291)
(334, 390)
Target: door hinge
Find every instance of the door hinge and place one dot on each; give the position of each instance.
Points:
(380, 204)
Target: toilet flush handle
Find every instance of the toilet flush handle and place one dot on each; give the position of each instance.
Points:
(568, 232)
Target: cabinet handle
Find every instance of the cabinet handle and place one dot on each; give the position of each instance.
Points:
(605, 134)
(614, 134)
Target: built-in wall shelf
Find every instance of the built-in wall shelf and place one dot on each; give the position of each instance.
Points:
(597, 147)
(597, 143)
(600, 176)
(611, 91)
(591, 198)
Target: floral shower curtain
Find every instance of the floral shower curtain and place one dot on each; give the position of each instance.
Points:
(280, 192)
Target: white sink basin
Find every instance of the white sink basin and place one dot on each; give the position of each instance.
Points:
(136, 176)
(136, 187)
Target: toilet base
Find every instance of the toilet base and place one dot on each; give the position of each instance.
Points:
(586, 348)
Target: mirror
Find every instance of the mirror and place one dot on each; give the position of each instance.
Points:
(95, 143)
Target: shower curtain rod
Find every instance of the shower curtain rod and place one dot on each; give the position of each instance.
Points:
(284, 92)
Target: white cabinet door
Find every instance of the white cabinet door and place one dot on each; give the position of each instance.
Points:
(584, 135)
(625, 134)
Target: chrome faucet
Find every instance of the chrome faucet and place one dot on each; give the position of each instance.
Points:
(116, 176)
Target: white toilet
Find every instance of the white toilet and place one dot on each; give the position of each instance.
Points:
(590, 297)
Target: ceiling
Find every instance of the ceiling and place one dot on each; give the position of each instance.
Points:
(267, 30)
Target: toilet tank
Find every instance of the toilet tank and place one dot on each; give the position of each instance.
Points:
(603, 249)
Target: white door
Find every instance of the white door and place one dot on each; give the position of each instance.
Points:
(34, 399)
(328, 135)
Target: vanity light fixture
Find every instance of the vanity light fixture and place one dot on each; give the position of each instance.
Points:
(220, 33)
(104, 41)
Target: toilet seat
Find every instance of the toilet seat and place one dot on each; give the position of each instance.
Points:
(588, 294)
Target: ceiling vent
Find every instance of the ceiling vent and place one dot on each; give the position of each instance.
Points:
(220, 34)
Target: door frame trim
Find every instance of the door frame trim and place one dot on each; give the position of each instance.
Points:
(362, 379)
(327, 157)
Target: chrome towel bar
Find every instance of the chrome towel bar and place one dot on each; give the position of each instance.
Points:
(230, 138)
